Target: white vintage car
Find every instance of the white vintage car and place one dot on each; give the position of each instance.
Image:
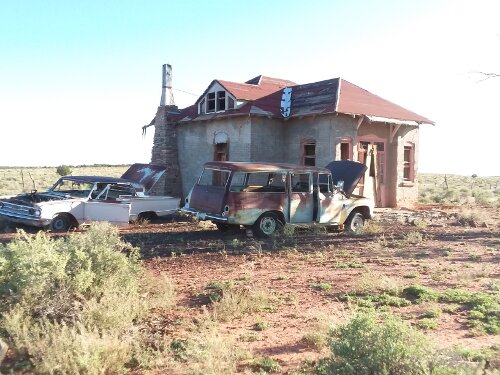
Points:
(76, 200)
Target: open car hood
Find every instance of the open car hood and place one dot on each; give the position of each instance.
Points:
(348, 171)
(145, 174)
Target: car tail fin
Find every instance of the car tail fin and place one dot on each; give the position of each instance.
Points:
(145, 174)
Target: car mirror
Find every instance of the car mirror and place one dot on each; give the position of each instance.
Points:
(339, 185)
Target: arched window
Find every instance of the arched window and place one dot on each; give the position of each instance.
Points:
(344, 149)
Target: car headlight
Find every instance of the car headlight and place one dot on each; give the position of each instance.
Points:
(34, 212)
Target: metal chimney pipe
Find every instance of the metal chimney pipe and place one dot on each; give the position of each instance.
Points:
(163, 85)
(167, 85)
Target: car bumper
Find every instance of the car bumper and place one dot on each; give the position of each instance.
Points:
(204, 215)
(24, 219)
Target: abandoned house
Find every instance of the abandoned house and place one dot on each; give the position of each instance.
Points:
(274, 120)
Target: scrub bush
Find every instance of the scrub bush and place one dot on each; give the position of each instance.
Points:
(63, 170)
(73, 305)
(370, 344)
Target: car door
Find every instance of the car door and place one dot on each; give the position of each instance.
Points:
(301, 198)
(330, 200)
(117, 213)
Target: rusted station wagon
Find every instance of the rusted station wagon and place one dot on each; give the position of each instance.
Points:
(264, 196)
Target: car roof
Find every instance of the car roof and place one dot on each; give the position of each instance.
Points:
(94, 179)
(263, 167)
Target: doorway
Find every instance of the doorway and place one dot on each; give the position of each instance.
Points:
(377, 169)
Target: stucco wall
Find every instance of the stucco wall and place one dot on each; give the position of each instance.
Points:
(398, 193)
(325, 130)
(196, 145)
(267, 140)
(273, 140)
(407, 192)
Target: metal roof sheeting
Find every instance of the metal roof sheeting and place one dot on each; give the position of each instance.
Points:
(263, 98)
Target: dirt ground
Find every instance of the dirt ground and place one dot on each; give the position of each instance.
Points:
(308, 272)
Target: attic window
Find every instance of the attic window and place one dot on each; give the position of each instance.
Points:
(221, 100)
(211, 102)
(202, 106)
(230, 103)
(216, 101)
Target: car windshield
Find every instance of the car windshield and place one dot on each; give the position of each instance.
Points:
(76, 189)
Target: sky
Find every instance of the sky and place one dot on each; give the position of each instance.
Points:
(78, 80)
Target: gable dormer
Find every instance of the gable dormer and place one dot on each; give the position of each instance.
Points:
(216, 99)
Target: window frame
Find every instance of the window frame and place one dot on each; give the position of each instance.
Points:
(308, 142)
(217, 101)
(409, 163)
(345, 141)
(211, 102)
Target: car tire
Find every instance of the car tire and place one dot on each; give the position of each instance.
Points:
(147, 216)
(266, 225)
(60, 223)
(355, 222)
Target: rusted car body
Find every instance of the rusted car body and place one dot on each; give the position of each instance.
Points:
(75, 200)
(266, 196)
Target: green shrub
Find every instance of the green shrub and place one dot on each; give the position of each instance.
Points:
(427, 323)
(72, 305)
(266, 365)
(322, 286)
(370, 344)
(421, 293)
(63, 170)
(261, 326)
(431, 313)
(57, 277)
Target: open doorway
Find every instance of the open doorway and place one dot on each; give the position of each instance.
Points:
(376, 169)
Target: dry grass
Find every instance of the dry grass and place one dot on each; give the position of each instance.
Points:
(484, 191)
(241, 300)
(14, 180)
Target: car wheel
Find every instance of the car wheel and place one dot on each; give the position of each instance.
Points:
(60, 223)
(355, 222)
(267, 225)
(147, 216)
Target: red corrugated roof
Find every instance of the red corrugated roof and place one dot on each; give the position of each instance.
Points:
(256, 87)
(330, 96)
(355, 100)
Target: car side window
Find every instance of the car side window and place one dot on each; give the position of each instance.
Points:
(325, 183)
(301, 183)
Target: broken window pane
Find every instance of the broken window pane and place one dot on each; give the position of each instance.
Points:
(301, 183)
(309, 154)
(309, 149)
(345, 151)
(212, 177)
(230, 103)
(325, 183)
(211, 102)
(221, 100)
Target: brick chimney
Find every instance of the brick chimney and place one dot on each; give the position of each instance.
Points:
(165, 148)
